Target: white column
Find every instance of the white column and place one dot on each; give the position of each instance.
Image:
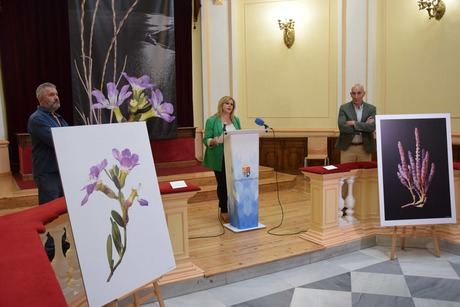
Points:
(341, 202)
(216, 37)
(350, 201)
(3, 133)
(360, 46)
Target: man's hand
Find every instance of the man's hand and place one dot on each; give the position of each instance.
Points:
(350, 122)
(370, 120)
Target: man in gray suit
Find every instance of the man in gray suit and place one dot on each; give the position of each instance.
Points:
(357, 125)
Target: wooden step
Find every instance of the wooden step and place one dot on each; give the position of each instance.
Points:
(17, 200)
(282, 182)
(207, 178)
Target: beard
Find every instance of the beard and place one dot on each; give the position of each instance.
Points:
(55, 106)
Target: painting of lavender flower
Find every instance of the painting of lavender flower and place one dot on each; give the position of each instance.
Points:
(119, 219)
(415, 169)
(115, 207)
(417, 175)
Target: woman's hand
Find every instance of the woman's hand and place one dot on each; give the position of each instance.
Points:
(213, 141)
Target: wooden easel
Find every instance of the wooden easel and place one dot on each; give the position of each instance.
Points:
(404, 235)
(138, 300)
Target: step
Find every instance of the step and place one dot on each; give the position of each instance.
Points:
(282, 182)
(18, 199)
(202, 179)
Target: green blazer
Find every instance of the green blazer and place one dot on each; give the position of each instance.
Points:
(214, 154)
(347, 112)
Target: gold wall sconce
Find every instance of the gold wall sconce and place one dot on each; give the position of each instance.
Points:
(288, 31)
(435, 8)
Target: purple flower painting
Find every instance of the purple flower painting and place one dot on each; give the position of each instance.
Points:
(416, 175)
(126, 97)
(117, 240)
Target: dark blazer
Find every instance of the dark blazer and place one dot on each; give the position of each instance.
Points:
(43, 154)
(214, 154)
(347, 112)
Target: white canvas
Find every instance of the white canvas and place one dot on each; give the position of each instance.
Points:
(415, 169)
(148, 252)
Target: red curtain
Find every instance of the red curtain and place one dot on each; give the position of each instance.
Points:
(34, 48)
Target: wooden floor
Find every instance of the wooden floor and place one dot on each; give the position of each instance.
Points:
(232, 251)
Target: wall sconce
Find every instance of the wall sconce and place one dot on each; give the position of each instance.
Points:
(435, 8)
(288, 31)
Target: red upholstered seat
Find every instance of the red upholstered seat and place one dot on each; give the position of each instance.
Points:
(165, 188)
(321, 170)
(360, 165)
(26, 275)
(457, 165)
(344, 167)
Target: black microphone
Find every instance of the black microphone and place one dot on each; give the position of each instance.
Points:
(225, 128)
(260, 122)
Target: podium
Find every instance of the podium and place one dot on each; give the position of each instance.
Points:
(241, 149)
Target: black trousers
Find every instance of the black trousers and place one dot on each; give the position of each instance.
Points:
(222, 188)
(49, 187)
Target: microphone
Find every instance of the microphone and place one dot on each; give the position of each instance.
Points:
(225, 128)
(260, 122)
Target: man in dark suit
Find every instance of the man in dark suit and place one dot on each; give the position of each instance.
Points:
(356, 122)
(44, 163)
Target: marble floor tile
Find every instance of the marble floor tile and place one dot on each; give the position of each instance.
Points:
(310, 273)
(355, 260)
(381, 252)
(337, 283)
(364, 278)
(453, 258)
(280, 299)
(456, 267)
(385, 267)
(320, 298)
(434, 288)
(429, 268)
(250, 289)
(423, 302)
(197, 299)
(366, 300)
(386, 284)
(422, 254)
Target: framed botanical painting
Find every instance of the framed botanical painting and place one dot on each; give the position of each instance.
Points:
(415, 169)
(115, 207)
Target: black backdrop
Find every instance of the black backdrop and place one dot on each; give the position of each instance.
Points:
(34, 48)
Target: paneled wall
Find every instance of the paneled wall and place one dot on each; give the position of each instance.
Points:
(408, 64)
(418, 62)
(286, 154)
(243, 55)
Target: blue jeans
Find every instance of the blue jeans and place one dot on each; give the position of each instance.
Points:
(49, 187)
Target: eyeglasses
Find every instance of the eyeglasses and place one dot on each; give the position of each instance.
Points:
(356, 93)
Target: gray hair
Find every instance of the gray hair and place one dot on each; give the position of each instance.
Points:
(358, 86)
(41, 87)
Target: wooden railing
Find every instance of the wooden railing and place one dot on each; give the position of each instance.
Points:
(338, 218)
(67, 268)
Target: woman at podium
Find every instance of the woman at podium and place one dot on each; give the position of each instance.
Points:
(216, 125)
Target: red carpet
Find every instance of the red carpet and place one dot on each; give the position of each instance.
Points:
(27, 278)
